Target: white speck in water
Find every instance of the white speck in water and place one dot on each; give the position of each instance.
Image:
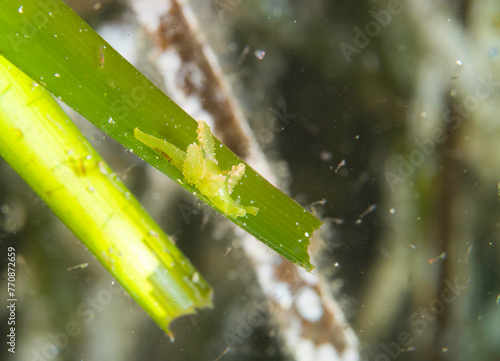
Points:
(336, 265)
(300, 241)
(325, 156)
(459, 62)
(196, 277)
(392, 211)
(111, 121)
(260, 54)
(296, 223)
(91, 189)
(20, 9)
(112, 282)
(88, 157)
(306, 234)
(57, 75)
(357, 137)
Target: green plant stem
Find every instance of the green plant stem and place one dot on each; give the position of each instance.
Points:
(42, 144)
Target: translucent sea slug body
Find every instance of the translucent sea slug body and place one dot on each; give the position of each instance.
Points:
(201, 169)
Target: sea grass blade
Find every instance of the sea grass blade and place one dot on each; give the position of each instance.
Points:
(55, 47)
(42, 144)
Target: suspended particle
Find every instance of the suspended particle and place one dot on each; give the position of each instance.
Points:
(226, 350)
(81, 265)
(441, 256)
(326, 156)
(408, 349)
(366, 212)
(260, 54)
(340, 165)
